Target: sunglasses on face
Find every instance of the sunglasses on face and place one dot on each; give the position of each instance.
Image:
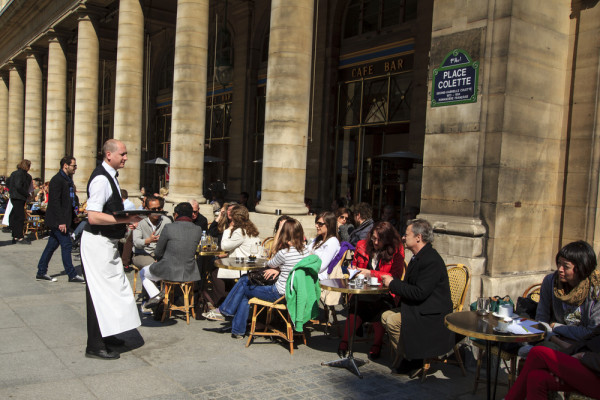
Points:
(343, 217)
(320, 224)
(155, 209)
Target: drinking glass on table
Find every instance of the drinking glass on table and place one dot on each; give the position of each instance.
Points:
(483, 305)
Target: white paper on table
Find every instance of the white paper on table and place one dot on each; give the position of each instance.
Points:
(523, 328)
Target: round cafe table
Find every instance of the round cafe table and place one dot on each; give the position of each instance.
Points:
(342, 285)
(471, 324)
(230, 263)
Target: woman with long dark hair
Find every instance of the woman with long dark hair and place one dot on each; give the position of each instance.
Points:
(326, 245)
(381, 253)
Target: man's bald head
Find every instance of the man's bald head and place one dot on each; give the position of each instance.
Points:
(111, 145)
(115, 153)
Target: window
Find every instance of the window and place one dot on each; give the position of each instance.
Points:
(365, 16)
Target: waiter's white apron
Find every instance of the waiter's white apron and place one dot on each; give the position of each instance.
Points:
(110, 290)
(5, 220)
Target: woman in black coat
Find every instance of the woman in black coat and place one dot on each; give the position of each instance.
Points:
(19, 184)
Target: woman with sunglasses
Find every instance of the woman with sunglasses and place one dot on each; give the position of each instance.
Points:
(326, 245)
(344, 226)
(381, 253)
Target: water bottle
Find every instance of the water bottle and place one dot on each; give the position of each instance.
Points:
(204, 242)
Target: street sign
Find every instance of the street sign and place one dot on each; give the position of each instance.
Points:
(455, 81)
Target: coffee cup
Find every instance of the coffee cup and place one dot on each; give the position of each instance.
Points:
(373, 281)
(505, 310)
(503, 324)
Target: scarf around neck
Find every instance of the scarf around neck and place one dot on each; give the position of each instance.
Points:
(579, 293)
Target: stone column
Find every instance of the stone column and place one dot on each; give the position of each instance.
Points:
(32, 137)
(287, 107)
(56, 106)
(4, 170)
(189, 101)
(85, 126)
(16, 97)
(128, 91)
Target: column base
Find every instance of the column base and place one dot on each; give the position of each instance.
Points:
(269, 207)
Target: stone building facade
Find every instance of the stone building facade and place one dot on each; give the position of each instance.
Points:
(324, 100)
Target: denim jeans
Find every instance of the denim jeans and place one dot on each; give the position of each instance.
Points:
(55, 239)
(236, 303)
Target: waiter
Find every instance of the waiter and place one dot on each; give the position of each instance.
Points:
(110, 303)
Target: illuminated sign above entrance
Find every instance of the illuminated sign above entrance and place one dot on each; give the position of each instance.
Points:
(455, 81)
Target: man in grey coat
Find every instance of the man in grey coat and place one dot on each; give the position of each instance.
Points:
(175, 252)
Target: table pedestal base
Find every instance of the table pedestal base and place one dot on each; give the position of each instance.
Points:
(350, 363)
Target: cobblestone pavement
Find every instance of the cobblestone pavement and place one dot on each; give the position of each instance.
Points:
(42, 344)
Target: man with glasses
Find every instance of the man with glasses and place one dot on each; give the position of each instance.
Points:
(60, 215)
(197, 218)
(148, 230)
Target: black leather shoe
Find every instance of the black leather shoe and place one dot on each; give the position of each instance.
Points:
(113, 341)
(104, 354)
(156, 300)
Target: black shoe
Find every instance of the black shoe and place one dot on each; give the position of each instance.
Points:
(24, 241)
(103, 354)
(77, 279)
(408, 366)
(342, 349)
(14, 241)
(156, 300)
(236, 336)
(45, 277)
(113, 341)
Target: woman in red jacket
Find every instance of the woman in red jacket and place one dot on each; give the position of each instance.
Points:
(381, 253)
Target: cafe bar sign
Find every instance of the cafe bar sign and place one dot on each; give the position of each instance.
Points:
(455, 81)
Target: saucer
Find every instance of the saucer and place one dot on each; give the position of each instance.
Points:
(374, 284)
(513, 315)
(500, 331)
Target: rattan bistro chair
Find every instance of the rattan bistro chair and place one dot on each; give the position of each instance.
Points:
(459, 277)
(277, 307)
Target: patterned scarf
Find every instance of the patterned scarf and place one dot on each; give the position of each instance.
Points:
(579, 293)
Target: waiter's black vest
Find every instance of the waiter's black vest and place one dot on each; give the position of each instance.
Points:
(114, 203)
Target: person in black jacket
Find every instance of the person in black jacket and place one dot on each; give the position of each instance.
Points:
(19, 186)
(425, 300)
(60, 215)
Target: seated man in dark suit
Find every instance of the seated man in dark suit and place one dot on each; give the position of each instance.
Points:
(424, 302)
(198, 218)
(175, 251)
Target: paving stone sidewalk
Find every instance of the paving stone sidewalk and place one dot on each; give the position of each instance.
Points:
(43, 335)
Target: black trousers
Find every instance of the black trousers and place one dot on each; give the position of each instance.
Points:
(94, 340)
(17, 218)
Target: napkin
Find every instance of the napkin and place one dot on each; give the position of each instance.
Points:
(523, 327)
